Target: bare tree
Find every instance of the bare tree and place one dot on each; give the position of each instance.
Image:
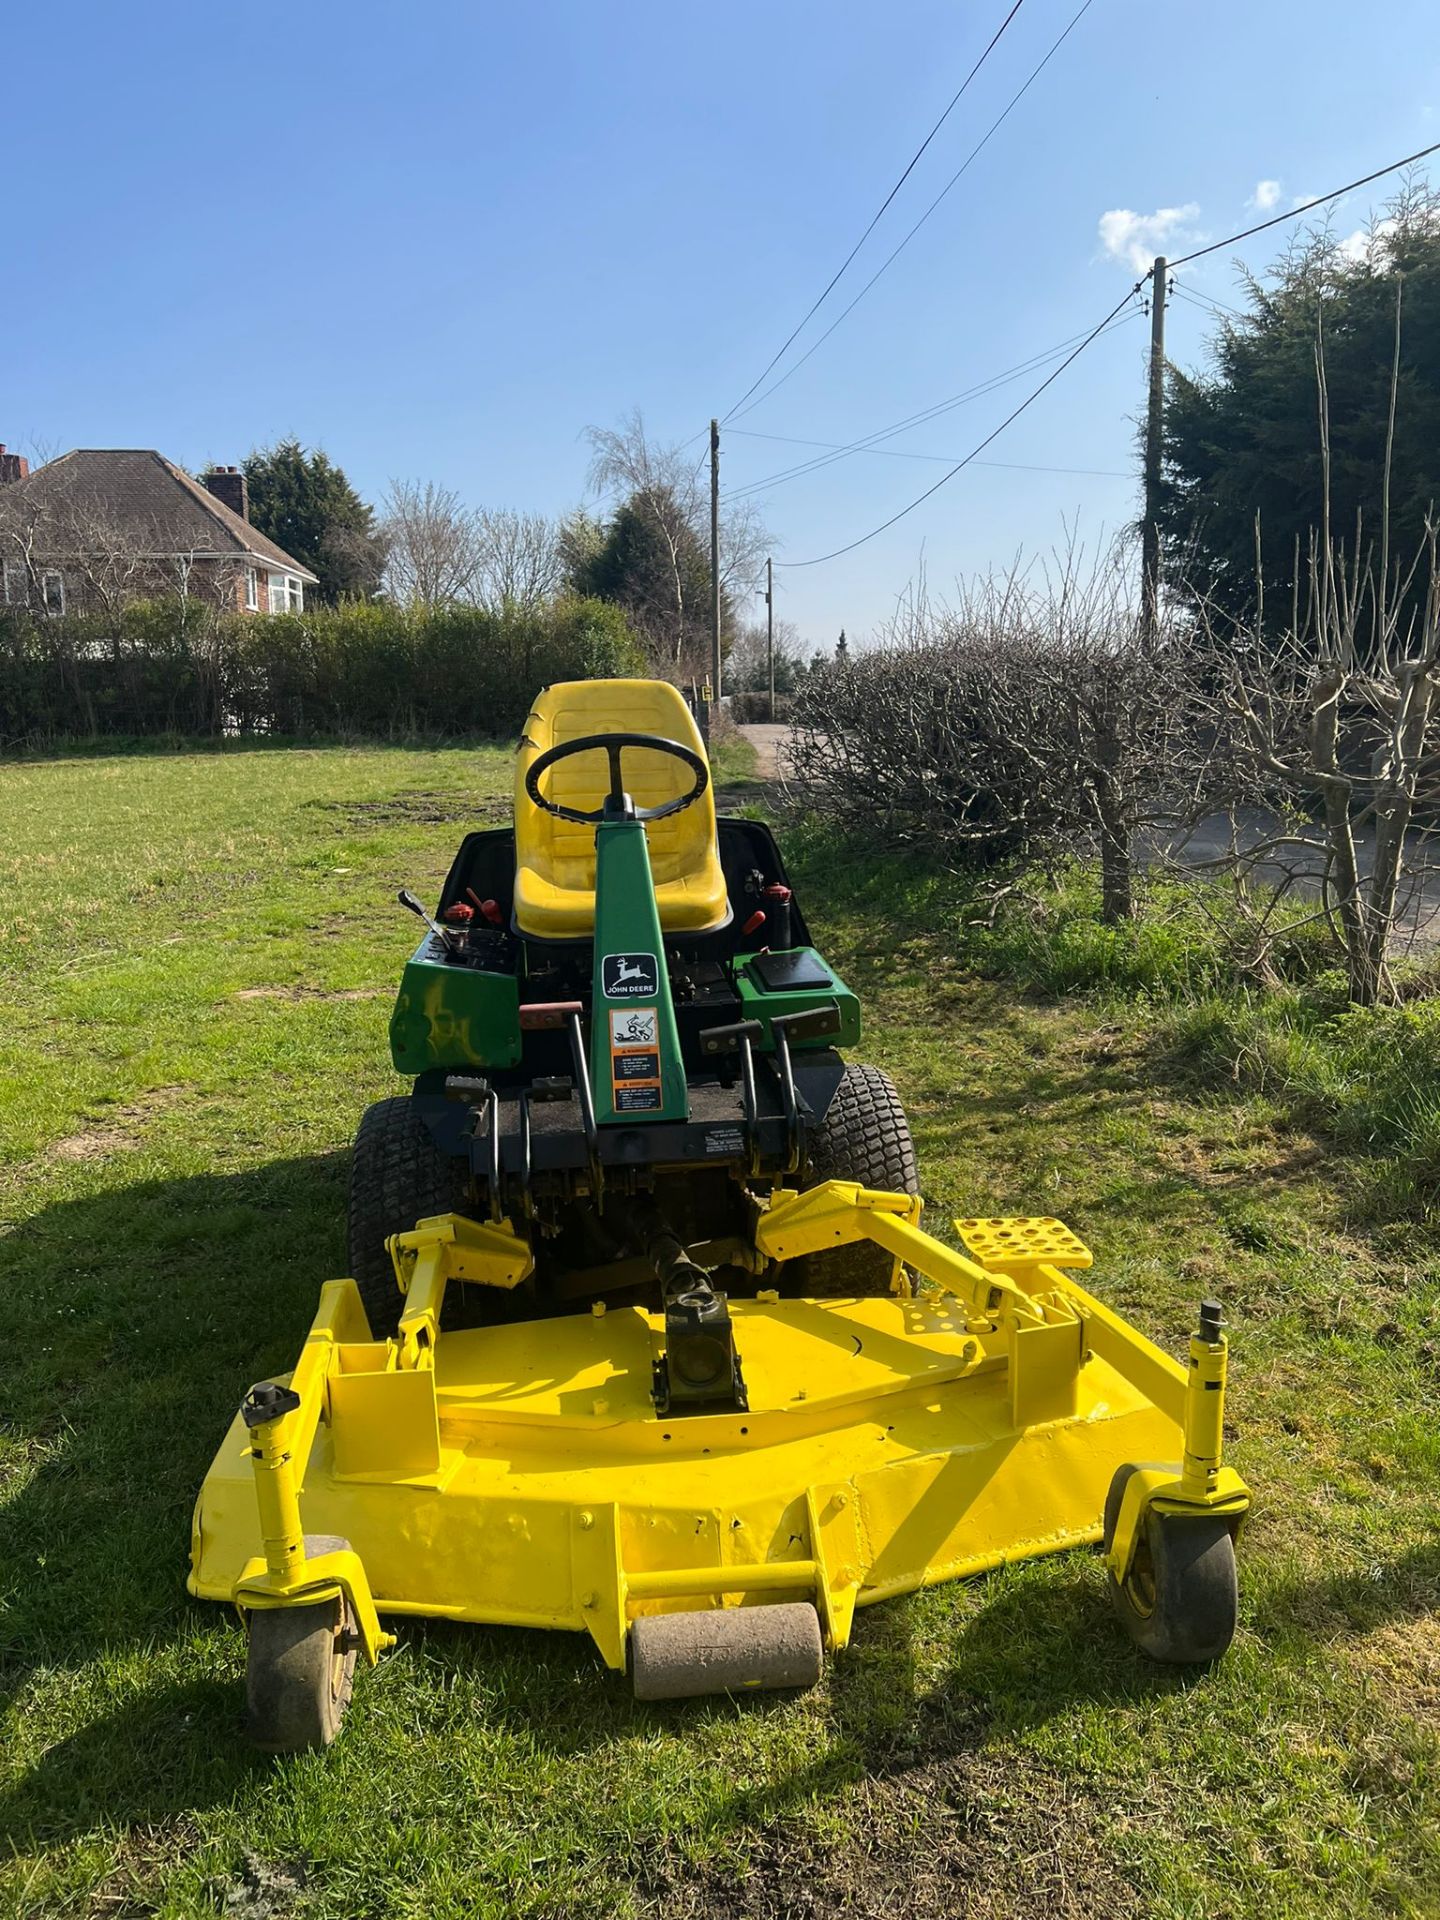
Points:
(1327, 736)
(435, 545)
(104, 560)
(1033, 720)
(520, 562)
(747, 670)
(664, 485)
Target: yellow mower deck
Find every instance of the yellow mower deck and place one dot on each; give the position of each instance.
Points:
(520, 1474)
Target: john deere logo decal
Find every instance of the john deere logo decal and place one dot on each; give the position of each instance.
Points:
(629, 976)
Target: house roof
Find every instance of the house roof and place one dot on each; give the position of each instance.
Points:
(139, 496)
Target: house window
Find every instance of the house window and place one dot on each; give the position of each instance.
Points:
(52, 588)
(287, 593)
(252, 590)
(14, 581)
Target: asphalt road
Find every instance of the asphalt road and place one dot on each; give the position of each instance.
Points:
(1302, 860)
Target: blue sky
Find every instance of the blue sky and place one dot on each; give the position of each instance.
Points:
(440, 240)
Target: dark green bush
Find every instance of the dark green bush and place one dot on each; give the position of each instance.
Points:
(365, 670)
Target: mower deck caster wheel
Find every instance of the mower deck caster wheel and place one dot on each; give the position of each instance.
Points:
(1179, 1602)
(298, 1676)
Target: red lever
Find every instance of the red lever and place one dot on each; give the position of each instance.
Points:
(460, 914)
(489, 909)
(777, 892)
(753, 924)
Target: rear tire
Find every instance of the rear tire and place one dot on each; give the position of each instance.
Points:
(397, 1176)
(866, 1137)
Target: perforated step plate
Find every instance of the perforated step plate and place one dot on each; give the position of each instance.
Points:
(1020, 1244)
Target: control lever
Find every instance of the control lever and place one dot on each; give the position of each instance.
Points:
(809, 1023)
(446, 934)
(740, 1038)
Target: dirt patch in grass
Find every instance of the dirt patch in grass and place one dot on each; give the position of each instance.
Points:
(120, 1130)
(149, 1851)
(312, 993)
(428, 806)
(948, 1839)
(95, 1145)
(260, 1889)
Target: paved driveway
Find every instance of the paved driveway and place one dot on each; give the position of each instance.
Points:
(769, 744)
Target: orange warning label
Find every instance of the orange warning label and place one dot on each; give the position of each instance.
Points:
(635, 1059)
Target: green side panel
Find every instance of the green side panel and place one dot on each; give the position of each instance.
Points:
(756, 1003)
(635, 1061)
(453, 1017)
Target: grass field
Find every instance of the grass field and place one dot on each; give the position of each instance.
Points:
(198, 953)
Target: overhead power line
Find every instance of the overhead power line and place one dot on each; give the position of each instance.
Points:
(1216, 309)
(1307, 206)
(1221, 308)
(740, 408)
(875, 219)
(905, 453)
(873, 441)
(975, 452)
(1198, 253)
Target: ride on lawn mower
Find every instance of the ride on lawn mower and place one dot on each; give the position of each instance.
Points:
(643, 1336)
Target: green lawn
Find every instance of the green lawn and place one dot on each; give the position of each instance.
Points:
(198, 953)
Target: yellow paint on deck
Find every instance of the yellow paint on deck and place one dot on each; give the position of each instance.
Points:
(520, 1474)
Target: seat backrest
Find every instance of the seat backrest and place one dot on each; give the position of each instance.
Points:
(562, 851)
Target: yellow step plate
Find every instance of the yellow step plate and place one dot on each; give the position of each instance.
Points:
(1021, 1243)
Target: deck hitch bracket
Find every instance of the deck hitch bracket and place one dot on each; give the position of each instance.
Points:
(699, 1368)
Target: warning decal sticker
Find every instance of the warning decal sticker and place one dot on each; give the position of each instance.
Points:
(634, 1027)
(635, 1059)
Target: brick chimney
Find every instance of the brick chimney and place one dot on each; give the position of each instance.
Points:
(230, 487)
(13, 466)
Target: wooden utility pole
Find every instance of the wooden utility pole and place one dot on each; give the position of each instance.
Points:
(715, 566)
(770, 630)
(1154, 428)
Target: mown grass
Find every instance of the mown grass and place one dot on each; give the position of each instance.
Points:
(198, 953)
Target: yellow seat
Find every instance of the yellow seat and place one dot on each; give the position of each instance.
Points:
(555, 859)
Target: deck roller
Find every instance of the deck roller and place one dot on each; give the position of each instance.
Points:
(725, 1650)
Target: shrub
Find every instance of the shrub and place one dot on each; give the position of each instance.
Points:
(749, 709)
(363, 670)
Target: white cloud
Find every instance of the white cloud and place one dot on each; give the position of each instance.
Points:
(1357, 245)
(1265, 196)
(1138, 237)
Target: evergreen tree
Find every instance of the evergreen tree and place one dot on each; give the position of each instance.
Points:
(1244, 439)
(648, 560)
(306, 505)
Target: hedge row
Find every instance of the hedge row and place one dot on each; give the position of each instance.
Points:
(359, 671)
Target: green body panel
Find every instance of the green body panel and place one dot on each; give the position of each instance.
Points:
(635, 1063)
(756, 1003)
(453, 1017)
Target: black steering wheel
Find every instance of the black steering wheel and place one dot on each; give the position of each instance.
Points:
(618, 804)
